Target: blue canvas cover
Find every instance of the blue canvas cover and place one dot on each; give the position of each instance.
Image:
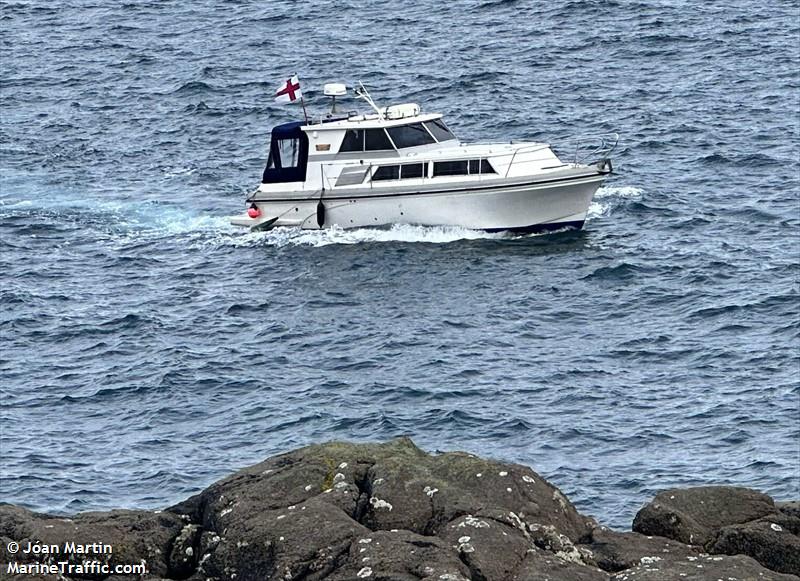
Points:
(280, 170)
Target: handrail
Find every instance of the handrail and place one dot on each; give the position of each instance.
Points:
(458, 155)
(602, 150)
(324, 176)
(532, 147)
(607, 144)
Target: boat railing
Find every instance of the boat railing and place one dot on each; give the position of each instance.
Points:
(462, 154)
(598, 147)
(323, 118)
(524, 149)
(592, 149)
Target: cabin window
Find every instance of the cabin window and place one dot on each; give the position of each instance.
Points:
(386, 172)
(289, 150)
(480, 166)
(353, 140)
(369, 140)
(376, 140)
(412, 170)
(285, 154)
(450, 168)
(439, 130)
(410, 135)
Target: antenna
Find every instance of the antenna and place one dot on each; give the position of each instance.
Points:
(362, 93)
(334, 90)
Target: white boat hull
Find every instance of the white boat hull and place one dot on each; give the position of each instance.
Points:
(542, 206)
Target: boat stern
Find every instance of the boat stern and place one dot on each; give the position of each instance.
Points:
(254, 219)
(243, 220)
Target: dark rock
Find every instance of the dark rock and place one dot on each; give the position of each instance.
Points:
(702, 568)
(548, 538)
(491, 549)
(427, 492)
(24, 576)
(693, 515)
(134, 536)
(790, 508)
(766, 541)
(399, 555)
(392, 512)
(613, 551)
(539, 565)
(310, 538)
(301, 513)
(183, 557)
(786, 520)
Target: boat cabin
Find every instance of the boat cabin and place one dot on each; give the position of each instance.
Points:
(355, 138)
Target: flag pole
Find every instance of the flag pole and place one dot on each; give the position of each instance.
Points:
(303, 103)
(302, 100)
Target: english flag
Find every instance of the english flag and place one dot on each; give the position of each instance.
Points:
(289, 91)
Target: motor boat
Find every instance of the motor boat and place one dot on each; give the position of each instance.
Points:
(398, 165)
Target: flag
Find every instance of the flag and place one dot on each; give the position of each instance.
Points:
(289, 91)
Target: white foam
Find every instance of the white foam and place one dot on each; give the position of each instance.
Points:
(124, 221)
(609, 194)
(181, 222)
(596, 209)
(398, 233)
(619, 192)
(133, 222)
(173, 172)
(14, 204)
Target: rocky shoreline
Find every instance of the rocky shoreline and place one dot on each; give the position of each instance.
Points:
(390, 511)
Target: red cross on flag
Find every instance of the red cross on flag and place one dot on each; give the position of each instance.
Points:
(289, 91)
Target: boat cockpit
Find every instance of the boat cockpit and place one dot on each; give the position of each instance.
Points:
(288, 154)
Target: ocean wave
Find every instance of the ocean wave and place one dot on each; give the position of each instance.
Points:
(127, 289)
(195, 88)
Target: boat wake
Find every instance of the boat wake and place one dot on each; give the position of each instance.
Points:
(609, 197)
(118, 221)
(125, 222)
(283, 236)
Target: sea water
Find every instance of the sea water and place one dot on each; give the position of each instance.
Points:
(149, 348)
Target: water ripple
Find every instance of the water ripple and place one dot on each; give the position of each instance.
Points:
(150, 348)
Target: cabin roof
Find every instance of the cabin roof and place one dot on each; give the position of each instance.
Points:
(368, 122)
(287, 130)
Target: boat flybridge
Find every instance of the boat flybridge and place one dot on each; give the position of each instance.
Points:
(398, 165)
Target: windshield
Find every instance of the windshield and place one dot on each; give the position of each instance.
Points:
(439, 130)
(410, 135)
